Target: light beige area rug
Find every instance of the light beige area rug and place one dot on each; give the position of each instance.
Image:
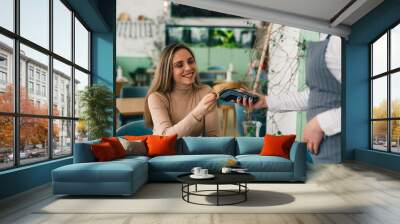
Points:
(166, 198)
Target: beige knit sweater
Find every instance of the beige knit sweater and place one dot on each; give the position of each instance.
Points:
(171, 113)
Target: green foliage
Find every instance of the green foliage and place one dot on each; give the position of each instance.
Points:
(97, 102)
(380, 127)
(223, 38)
(302, 46)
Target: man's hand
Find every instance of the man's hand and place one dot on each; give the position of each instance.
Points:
(313, 135)
(261, 103)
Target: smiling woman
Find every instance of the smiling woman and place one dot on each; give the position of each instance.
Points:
(177, 103)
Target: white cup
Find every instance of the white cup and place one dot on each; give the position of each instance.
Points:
(196, 171)
(226, 170)
(203, 172)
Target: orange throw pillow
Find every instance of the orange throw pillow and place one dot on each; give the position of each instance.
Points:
(103, 151)
(277, 145)
(135, 138)
(116, 145)
(161, 145)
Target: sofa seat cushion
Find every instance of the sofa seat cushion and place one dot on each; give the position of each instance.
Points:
(257, 163)
(133, 158)
(112, 171)
(185, 163)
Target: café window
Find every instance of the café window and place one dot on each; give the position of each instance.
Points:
(55, 35)
(385, 91)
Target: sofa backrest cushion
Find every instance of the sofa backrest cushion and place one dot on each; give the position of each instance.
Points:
(249, 145)
(207, 145)
(134, 128)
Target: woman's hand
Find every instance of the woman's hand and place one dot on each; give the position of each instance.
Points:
(261, 103)
(206, 105)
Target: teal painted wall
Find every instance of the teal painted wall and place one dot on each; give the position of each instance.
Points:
(100, 16)
(217, 56)
(92, 12)
(356, 98)
(205, 57)
(103, 64)
(103, 52)
(202, 57)
(130, 64)
(102, 58)
(24, 178)
(380, 159)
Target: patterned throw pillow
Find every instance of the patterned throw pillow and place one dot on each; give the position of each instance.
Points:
(134, 147)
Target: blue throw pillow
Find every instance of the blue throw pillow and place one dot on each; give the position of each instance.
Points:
(249, 145)
(208, 145)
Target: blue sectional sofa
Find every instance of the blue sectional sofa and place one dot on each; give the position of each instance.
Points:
(125, 176)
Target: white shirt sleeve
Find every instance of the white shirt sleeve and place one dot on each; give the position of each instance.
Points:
(333, 57)
(330, 121)
(291, 101)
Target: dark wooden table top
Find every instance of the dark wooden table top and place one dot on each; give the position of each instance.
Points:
(220, 178)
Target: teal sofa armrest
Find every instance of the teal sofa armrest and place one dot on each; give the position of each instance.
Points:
(298, 155)
(83, 153)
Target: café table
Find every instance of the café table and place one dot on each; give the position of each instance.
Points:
(130, 106)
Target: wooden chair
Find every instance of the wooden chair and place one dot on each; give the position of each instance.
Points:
(129, 92)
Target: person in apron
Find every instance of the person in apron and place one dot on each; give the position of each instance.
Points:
(322, 100)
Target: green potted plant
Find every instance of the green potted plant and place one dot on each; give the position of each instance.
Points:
(96, 103)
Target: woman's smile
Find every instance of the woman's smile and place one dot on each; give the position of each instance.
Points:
(189, 75)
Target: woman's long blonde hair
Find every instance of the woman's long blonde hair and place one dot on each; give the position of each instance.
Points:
(163, 81)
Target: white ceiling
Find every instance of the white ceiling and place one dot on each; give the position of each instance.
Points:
(316, 15)
(321, 9)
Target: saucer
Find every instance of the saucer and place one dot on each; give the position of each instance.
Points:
(208, 176)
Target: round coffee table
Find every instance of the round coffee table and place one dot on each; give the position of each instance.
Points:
(238, 179)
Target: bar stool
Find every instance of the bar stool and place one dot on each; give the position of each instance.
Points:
(227, 106)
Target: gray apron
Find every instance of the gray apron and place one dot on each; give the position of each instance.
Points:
(325, 94)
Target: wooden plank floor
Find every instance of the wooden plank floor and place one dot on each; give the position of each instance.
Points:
(354, 182)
